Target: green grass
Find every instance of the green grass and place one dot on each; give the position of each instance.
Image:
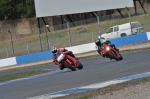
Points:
(20, 75)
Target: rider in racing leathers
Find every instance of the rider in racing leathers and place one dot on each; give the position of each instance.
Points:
(100, 41)
(55, 51)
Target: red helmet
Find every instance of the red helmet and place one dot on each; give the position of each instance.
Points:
(54, 49)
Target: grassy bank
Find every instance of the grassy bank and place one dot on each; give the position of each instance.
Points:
(21, 75)
(106, 90)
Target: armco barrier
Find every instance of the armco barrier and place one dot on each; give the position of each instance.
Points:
(34, 57)
(130, 39)
(8, 62)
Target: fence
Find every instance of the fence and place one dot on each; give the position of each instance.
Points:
(85, 31)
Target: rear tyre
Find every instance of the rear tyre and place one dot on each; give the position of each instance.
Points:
(113, 56)
(123, 35)
(80, 66)
(70, 66)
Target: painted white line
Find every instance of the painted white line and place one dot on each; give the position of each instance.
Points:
(90, 87)
(49, 69)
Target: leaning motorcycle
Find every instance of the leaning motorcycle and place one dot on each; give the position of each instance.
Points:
(66, 61)
(111, 53)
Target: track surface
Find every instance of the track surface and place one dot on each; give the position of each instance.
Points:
(95, 70)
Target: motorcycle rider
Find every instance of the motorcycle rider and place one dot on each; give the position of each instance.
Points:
(61, 50)
(100, 42)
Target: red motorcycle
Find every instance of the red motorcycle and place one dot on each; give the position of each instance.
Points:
(110, 52)
(66, 61)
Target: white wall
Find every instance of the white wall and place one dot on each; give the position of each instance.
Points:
(148, 35)
(82, 48)
(63, 7)
(8, 61)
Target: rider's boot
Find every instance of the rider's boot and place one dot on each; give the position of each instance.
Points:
(103, 55)
(61, 67)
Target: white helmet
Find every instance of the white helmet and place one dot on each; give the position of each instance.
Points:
(102, 40)
(54, 49)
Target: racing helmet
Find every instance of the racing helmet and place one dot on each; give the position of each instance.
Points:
(97, 41)
(54, 49)
(102, 40)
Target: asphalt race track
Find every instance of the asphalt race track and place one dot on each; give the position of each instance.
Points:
(95, 70)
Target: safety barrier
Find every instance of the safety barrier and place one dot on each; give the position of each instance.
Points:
(130, 39)
(34, 57)
(8, 62)
(148, 35)
(76, 50)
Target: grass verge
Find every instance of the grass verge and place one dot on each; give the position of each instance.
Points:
(106, 90)
(21, 75)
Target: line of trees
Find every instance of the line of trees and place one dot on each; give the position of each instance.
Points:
(16, 9)
(19, 9)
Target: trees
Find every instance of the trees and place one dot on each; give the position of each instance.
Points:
(16, 9)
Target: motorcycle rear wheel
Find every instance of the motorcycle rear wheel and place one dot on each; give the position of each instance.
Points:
(70, 66)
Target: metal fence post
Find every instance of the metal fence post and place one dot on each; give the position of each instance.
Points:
(12, 45)
(69, 33)
(7, 51)
(129, 19)
(27, 48)
(98, 24)
(40, 40)
(47, 36)
(49, 44)
(39, 32)
(92, 36)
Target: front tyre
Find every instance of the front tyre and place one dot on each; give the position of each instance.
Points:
(121, 58)
(80, 66)
(70, 66)
(113, 56)
(61, 67)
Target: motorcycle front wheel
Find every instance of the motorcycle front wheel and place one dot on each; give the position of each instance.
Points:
(113, 56)
(80, 66)
(121, 58)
